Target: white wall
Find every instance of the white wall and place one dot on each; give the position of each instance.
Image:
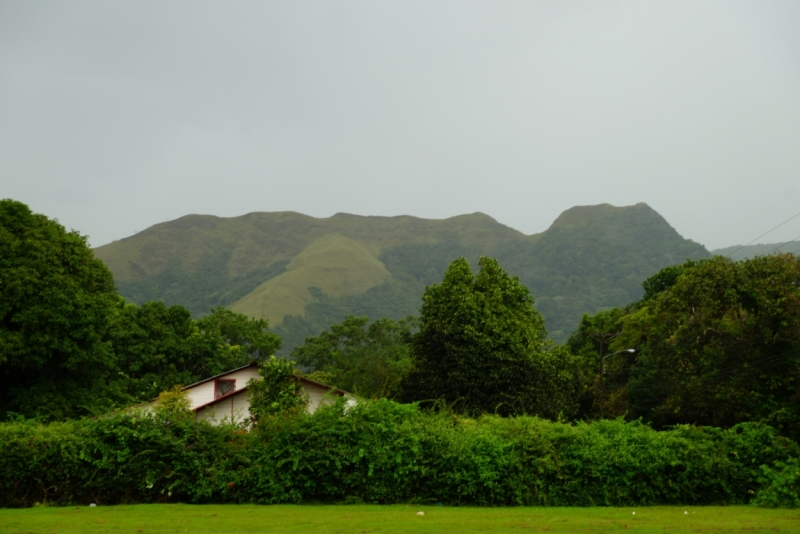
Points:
(204, 393)
(233, 409)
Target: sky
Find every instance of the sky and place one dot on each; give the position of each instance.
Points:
(115, 116)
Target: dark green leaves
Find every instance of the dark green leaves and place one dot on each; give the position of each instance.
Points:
(277, 392)
(368, 359)
(56, 301)
(481, 347)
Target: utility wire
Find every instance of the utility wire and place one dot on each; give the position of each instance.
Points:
(783, 245)
(762, 235)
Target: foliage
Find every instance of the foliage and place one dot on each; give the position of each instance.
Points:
(366, 359)
(781, 485)
(591, 344)
(717, 343)
(70, 347)
(664, 279)
(481, 347)
(173, 403)
(252, 336)
(278, 390)
(720, 346)
(56, 301)
(383, 452)
(111, 460)
(157, 346)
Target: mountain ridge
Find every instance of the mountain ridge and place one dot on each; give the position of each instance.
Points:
(300, 271)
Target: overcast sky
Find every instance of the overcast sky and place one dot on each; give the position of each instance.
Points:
(115, 116)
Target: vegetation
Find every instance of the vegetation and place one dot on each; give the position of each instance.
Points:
(276, 392)
(717, 343)
(71, 347)
(383, 452)
(369, 360)
(56, 305)
(305, 274)
(594, 258)
(156, 347)
(481, 348)
(168, 518)
(715, 369)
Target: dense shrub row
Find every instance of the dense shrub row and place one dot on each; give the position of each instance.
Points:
(387, 453)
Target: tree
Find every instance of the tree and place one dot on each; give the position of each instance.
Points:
(368, 359)
(252, 336)
(481, 347)
(278, 390)
(157, 346)
(719, 344)
(56, 300)
(591, 343)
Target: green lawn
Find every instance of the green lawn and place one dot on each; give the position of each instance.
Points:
(220, 519)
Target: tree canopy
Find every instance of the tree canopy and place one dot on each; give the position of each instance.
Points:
(368, 359)
(156, 346)
(481, 347)
(56, 304)
(70, 346)
(718, 343)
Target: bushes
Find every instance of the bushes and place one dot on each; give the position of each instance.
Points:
(781, 485)
(110, 461)
(387, 453)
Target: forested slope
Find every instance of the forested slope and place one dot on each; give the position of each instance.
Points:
(304, 273)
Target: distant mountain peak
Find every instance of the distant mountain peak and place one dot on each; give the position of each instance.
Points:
(581, 215)
(305, 273)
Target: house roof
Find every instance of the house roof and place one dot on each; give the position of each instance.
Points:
(190, 386)
(339, 392)
(302, 379)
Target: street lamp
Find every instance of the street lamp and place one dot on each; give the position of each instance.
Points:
(602, 373)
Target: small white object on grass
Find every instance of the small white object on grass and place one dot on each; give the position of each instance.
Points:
(633, 513)
(420, 513)
(685, 513)
(92, 505)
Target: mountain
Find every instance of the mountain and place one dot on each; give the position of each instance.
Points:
(304, 273)
(738, 252)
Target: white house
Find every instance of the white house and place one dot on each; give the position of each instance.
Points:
(224, 397)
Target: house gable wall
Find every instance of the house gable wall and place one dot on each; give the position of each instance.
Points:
(203, 393)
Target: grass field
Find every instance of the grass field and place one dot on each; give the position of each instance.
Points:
(368, 518)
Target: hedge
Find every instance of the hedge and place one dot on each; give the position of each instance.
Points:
(383, 452)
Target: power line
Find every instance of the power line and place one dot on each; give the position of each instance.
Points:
(783, 245)
(729, 254)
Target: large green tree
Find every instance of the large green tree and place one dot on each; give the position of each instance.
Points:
(718, 342)
(481, 348)
(369, 359)
(251, 335)
(56, 301)
(157, 347)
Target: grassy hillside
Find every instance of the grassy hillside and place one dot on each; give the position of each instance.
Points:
(304, 273)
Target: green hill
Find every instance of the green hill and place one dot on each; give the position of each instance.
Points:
(304, 273)
(739, 253)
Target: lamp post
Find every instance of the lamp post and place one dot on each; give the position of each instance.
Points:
(602, 373)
